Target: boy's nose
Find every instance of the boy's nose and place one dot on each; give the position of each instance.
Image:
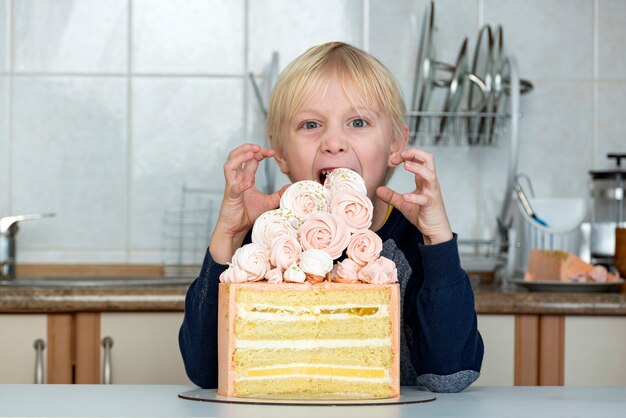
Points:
(334, 142)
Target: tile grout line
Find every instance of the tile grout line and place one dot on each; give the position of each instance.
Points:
(246, 66)
(129, 131)
(9, 99)
(594, 110)
(366, 25)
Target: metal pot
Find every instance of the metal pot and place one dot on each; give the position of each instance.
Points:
(607, 208)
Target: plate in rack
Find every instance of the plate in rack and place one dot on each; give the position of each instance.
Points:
(568, 287)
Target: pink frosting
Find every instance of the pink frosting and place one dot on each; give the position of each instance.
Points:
(233, 274)
(347, 271)
(598, 274)
(304, 198)
(325, 231)
(285, 251)
(381, 271)
(252, 259)
(274, 276)
(272, 224)
(344, 179)
(364, 247)
(354, 207)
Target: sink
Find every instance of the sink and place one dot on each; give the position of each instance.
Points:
(78, 282)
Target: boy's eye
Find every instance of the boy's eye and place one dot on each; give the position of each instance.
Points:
(358, 123)
(310, 125)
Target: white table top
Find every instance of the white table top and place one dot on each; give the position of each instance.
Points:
(163, 401)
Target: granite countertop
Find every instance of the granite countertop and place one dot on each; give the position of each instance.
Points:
(489, 300)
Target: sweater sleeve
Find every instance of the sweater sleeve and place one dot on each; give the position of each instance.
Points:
(197, 338)
(448, 350)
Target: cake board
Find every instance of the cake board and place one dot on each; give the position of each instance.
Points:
(408, 395)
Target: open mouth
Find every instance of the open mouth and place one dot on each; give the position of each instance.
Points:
(323, 173)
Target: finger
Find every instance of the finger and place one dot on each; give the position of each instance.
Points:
(418, 199)
(424, 173)
(277, 195)
(419, 155)
(390, 197)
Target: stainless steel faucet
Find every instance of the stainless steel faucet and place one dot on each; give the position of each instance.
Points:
(8, 230)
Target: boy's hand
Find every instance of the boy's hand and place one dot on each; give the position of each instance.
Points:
(243, 203)
(423, 207)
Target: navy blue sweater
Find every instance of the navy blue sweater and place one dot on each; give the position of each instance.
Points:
(441, 347)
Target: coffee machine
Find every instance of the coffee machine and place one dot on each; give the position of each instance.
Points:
(608, 209)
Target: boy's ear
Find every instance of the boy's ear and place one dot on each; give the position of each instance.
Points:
(279, 157)
(398, 144)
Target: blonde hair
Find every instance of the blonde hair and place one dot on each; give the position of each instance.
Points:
(311, 72)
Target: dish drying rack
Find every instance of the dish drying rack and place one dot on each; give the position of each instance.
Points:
(187, 229)
(452, 129)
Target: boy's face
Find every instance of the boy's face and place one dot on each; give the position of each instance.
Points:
(328, 132)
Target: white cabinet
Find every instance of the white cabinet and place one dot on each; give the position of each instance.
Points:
(145, 347)
(595, 351)
(498, 332)
(18, 333)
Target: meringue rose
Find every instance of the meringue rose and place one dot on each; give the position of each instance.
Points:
(346, 271)
(274, 276)
(365, 246)
(316, 262)
(381, 271)
(294, 274)
(285, 251)
(272, 224)
(304, 198)
(354, 207)
(251, 258)
(344, 179)
(325, 231)
(233, 274)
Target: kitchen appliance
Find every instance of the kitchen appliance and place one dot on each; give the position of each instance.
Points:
(607, 209)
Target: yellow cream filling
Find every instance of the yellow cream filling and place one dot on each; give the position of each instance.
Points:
(320, 311)
(319, 371)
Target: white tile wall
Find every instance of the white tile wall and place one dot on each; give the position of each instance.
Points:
(69, 156)
(116, 104)
(181, 136)
(5, 33)
(188, 36)
(70, 36)
(4, 145)
(611, 36)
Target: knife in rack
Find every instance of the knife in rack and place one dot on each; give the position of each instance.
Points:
(526, 205)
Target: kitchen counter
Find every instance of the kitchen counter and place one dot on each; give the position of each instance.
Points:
(489, 300)
(163, 401)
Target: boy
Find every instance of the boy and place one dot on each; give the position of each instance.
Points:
(337, 106)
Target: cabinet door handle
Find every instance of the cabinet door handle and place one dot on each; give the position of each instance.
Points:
(39, 345)
(107, 344)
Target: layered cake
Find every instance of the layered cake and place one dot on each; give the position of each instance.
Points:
(309, 308)
(314, 341)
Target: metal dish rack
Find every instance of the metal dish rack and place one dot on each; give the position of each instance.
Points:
(493, 253)
(187, 229)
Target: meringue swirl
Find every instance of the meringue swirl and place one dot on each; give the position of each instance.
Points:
(285, 251)
(274, 276)
(365, 246)
(344, 179)
(346, 271)
(316, 262)
(233, 274)
(354, 207)
(294, 274)
(252, 259)
(304, 198)
(272, 224)
(380, 271)
(325, 231)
